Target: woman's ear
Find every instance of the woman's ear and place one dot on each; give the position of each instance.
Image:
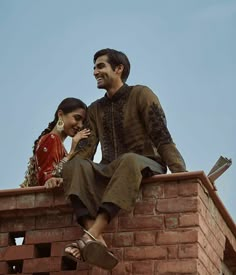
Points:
(60, 113)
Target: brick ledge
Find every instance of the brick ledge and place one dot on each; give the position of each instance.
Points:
(157, 178)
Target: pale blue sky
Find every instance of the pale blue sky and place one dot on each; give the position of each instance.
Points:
(184, 50)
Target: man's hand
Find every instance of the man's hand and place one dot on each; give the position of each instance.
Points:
(53, 182)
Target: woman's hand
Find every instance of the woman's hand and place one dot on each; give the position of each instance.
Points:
(80, 135)
(53, 182)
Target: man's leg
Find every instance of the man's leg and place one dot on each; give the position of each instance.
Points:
(126, 175)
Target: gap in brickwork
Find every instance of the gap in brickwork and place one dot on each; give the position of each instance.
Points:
(15, 267)
(16, 238)
(42, 250)
(68, 264)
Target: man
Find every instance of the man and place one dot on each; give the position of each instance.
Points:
(131, 127)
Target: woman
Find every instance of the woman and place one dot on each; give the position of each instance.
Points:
(49, 153)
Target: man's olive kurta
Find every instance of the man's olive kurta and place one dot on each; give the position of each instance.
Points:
(132, 122)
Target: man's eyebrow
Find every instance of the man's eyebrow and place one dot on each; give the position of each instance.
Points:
(98, 65)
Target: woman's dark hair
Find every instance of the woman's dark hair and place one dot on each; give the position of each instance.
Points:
(115, 58)
(67, 105)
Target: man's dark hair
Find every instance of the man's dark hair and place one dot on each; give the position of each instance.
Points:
(115, 58)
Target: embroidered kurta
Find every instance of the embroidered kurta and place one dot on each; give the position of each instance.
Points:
(131, 121)
(48, 156)
(135, 143)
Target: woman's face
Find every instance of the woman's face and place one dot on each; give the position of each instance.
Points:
(73, 121)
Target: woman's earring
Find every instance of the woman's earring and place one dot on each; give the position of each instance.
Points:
(60, 125)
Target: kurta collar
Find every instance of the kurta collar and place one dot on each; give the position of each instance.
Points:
(123, 90)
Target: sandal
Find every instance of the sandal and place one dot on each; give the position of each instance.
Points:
(93, 252)
(76, 245)
(96, 253)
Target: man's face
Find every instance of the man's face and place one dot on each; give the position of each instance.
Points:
(104, 73)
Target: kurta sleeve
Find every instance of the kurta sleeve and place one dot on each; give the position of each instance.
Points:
(49, 152)
(155, 122)
(86, 148)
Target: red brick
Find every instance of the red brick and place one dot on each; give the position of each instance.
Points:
(81, 266)
(145, 208)
(123, 268)
(123, 239)
(57, 248)
(172, 251)
(170, 190)
(19, 252)
(98, 271)
(44, 199)
(143, 267)
(176, 205)
(189, 188)
(118, 252)
(209, 225)
(59, 198)
(42, 265)
(8, 203)
(208, 234)
(25, 201)
(201, 269)
(140, 223)
(177, 266)
(52, 221)
(70, 272)
(124, 213)
(144, 253)
(3, 239)
(205, 259)
(150, 190)
(206, 245)
(112, 226)
(145, 238)
(174, 237)
(171, 221)
(72, 233)
(108, 237)
(17, 224)
(3, 268)
(187, 220)
(188, 251)
(44, 236)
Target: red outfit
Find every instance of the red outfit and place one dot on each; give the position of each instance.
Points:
(49, 153)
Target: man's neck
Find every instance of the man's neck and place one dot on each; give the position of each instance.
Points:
(114, 89)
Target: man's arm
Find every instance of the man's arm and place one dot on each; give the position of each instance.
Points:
(155, 122)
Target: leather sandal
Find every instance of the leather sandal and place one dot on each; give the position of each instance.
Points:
(93, 252)
(96, 253)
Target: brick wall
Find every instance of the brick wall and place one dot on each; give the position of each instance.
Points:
(178, 226)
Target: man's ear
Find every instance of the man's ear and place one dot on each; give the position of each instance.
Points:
(119, 69)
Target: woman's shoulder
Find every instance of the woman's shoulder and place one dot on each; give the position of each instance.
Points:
(49, 137)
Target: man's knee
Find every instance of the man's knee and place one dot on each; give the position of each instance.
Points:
(129, 157)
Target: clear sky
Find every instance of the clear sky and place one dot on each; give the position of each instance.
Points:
(184, 50)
